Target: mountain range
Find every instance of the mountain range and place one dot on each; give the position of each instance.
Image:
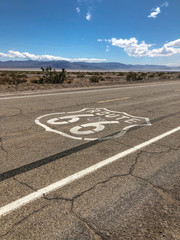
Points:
(84, 66)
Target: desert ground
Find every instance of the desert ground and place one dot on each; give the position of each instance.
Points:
(14, 81)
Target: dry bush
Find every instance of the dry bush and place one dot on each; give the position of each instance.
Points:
(132, 76)
(152, 75)
(5, 80)
(70, 80)
(121, 74)
(80, 75)
(160, 74)
(95, 78)
(12, 78)
(51, 76)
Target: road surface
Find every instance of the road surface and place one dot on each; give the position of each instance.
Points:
(101, 163)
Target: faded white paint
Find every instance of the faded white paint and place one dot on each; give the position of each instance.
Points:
(99, 126)
(73, 118)
(100, 117)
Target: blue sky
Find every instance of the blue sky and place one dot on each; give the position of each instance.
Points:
(127, 31)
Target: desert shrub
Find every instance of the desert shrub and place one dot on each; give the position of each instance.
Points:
(16, 78)
(70, 80)
(51, 76)
(108, 77)
(139, 78)
(80, 75)
(160, 74)
(90, 73)
(143, 74)
(97, 73)
(152, 75)
(23, 75)
(164, 77)
(3, 74)
(120, 74)
(12, 78)
(178, 76)
(95, 78)
(5, 80)
(47, 75)
(34, 81)
(131, 76)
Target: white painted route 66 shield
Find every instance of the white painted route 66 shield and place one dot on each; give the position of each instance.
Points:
(90, 123)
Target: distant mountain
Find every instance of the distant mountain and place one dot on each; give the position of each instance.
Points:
(84, 66)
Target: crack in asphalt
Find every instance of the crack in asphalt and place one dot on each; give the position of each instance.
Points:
(133, 166)
(95, 231)
(152, 152)
(25, 184)
(22, 220)
(3, 149)
(157, 144)
(170, 148)
(161, 192)
(98, 234)
(71, 200)
(44, 161)
(22, 130)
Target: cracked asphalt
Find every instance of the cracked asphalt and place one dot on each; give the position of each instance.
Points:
(135, 197)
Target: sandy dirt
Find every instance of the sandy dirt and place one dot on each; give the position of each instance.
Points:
(80, 79)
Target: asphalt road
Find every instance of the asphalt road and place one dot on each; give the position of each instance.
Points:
(100, 163)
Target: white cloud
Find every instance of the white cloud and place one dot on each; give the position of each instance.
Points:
(175, 43)
(99, 40)
(107, 40)
(156, 11)
(28, 56)
(166, 4)
(133, 48)
(78, 10)
(107, 48)
(88, 6)
(88, 16)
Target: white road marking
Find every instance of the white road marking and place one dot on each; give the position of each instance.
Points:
(84, 91)
(97, 125)
(63, 182)
(74, 118)
(114, 100)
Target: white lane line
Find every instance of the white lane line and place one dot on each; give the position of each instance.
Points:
(114, 100)
(84, 91)
(63, 182)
